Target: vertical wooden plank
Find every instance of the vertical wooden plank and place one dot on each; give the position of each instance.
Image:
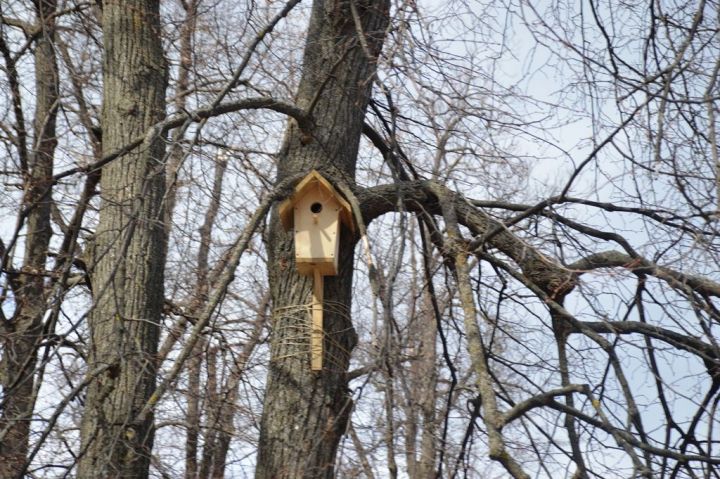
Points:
(316, 332)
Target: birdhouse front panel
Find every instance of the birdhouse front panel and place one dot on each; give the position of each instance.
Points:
(317, 230)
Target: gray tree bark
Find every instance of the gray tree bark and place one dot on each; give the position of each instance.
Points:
(305, 413)
(129, 251)
(20, 342)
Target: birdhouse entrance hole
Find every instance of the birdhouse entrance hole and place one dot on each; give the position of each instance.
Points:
(316, 207)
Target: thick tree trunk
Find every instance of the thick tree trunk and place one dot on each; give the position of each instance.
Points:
(130, 247)
(305, 413)
(19, 346)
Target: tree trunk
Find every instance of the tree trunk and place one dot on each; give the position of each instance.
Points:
(193, 410)
(428, 391)
(129, 251)
(305, 413)
(19, 346)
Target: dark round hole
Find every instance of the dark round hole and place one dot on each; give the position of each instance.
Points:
(316, 208)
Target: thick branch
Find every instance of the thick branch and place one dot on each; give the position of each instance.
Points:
(681, 341)
(196, 116)
(676, 279)
(423, 196)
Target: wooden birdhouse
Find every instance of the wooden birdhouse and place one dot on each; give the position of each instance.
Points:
(315, 212)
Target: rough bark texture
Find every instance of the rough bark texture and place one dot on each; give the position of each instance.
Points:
(427, 387)
(19, 343)
(305, 413)
(130, 247)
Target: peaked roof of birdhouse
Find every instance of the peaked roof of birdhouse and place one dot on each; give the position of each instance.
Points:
(314, 180)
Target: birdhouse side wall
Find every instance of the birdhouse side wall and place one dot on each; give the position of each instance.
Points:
(317, 234)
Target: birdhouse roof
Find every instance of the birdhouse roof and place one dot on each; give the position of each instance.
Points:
(312, 181)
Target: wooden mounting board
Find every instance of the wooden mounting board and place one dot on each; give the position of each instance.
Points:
(316, 326)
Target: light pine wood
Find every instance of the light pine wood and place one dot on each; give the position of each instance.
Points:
(314, 212)
(316, 332)
(316, 233)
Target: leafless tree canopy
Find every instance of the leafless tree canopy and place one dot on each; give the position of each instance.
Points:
(531, 289)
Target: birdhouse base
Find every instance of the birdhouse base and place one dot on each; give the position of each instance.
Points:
(308, 266)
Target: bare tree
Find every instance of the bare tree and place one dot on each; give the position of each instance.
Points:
(128, 249)
(535, 190)
(24, 330)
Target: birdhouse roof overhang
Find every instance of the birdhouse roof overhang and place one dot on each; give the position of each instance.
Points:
(308, 184)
